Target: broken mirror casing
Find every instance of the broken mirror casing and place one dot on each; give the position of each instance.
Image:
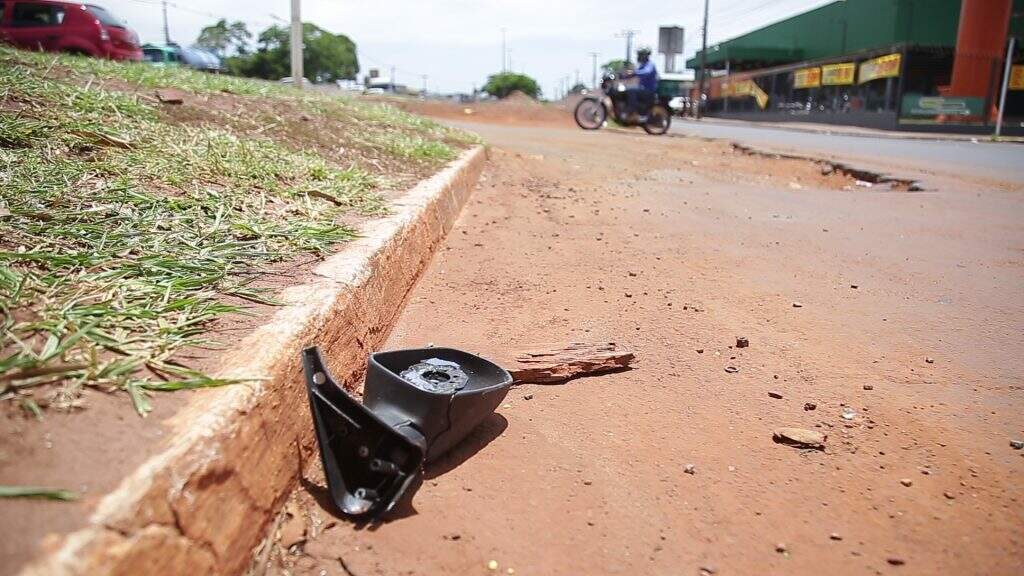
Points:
(372, 452)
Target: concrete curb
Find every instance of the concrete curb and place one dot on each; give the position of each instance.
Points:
(204, 502)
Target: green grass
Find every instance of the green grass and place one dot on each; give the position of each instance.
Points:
(123, 236)
(37, 492)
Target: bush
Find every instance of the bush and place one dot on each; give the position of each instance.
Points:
(501, 85)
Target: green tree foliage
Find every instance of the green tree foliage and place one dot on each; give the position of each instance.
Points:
(225, 38)
(503, 84)
(326, 56)
(615, 65)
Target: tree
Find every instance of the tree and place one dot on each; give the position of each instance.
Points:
(325, 56)
(223, 38)
(503, 84)
(615, 65)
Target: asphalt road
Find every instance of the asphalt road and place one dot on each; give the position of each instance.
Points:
(1000, 161)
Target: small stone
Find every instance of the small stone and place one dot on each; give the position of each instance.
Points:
(1016, 444)
(930, 360)
(775, 395)
(510, 571)
(827, 169)
(869, 387)
(949, 495)
(848, 414)
(632, 274)
(780, 548)
(907, 482)
(810, 406)
(587, 482)
(800, 438)
(854, 286)
(708, 569)
(797, 305)
(629, 295)
(690, 469)
(492, 565)
(896, 561)
(700, 350)
(742, 342)
(732, 369)
(528, 397)
(835, 536)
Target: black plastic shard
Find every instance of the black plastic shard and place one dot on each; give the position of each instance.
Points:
(417, 404)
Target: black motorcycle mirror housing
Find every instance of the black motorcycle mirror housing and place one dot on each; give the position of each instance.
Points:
(417, 404)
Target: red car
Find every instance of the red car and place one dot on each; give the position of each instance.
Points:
(67, 27)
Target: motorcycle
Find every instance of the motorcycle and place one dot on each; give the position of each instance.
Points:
(592, 111)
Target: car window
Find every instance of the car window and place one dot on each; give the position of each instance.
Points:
(30, 14)
(105, 17)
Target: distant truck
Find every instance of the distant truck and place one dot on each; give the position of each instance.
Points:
(68, 27)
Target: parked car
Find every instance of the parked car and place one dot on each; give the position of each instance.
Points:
(200, 59)
(159, 55)
(67, 27)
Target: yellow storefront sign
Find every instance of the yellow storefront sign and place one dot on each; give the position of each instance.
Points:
(746, 88)
(807, 78)
(887, 66)
(1017, 77)
(838, 74)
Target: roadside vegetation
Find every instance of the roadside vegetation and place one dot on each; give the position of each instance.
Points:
(127, 226)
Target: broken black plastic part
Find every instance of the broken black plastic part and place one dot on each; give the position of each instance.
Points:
(373, 452)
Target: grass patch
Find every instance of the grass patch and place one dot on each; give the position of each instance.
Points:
(122, 234)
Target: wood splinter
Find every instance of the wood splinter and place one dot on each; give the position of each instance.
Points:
(559, 364)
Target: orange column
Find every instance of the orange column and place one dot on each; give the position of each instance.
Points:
(980, 44)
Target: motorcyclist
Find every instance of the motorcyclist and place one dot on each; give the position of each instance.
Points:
(640, 98)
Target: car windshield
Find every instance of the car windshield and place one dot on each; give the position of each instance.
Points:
(105, 18)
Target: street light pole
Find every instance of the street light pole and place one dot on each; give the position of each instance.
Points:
(296, 47)
(1006, 85)
(504, 51)
(593, 77)
(167, 32)
(703, 62)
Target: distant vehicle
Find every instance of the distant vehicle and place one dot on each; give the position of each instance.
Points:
(376, 91)
(160, 55)
(67, 27)
(200, 59)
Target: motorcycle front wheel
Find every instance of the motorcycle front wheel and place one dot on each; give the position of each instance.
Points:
(658, 121)
(590, 114)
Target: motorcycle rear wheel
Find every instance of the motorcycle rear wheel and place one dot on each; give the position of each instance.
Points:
(658, 120)
(590, 114)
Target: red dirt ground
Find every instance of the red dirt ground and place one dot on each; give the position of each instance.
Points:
(910, 315)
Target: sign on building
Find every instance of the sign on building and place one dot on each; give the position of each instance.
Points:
(807, 78)
(1017, 77)
(918, 105)
(670, 43)
(745, 88)
(887, 66)
(838, 74)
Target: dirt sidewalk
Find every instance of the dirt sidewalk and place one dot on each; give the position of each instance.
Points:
(904, 308)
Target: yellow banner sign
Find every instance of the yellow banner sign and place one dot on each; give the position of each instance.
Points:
(746, 88)
(838, 74)
(887, 66)
(807, 78)
(1017, 77)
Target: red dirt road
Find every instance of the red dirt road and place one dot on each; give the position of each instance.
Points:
(676, 247)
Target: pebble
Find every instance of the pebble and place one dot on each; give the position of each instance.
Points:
(949, 495)
(930, 360)
(1016, 444)
(690, 469)
(907, 482)
(742, 342)
(895, 561)
(869, 387)
(587, 482)
(775, 395)
(492, 565)
(797, 305)
(835, 536)
(810, 406)
(700, 350)
(854, 286)
(780, 548)
(708, 569)
(731, 369)
(848, 414)
(528, 397)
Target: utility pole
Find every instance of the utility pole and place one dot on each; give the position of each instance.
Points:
(628, 35)
(392, 80)
(424, 76)
(167, 31)
(593, 74)
(703, 62)
(1006, 85)
(296, 41)
(504, 51)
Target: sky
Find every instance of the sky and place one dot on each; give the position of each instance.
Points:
(457, 43)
